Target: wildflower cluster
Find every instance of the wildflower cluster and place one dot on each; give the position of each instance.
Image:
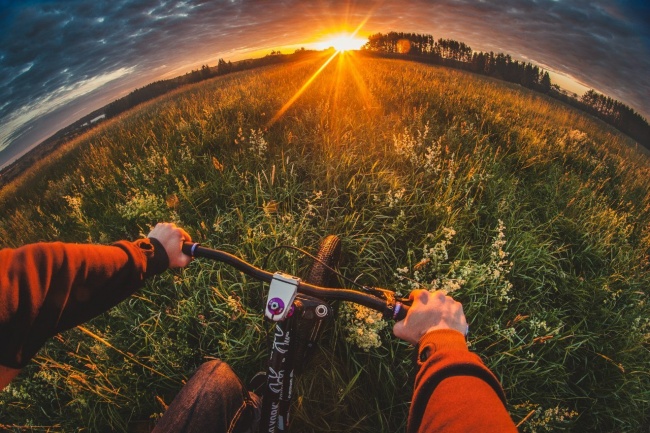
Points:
(406, 145)
(573, 136)
(434, 258)
(146, 207)
(434, 271)
(418, 152)
(234, 307)
(641, 325)
(543, 420)
(256, 142)
(433, 157)
(499, 266)
(281, 227)
(611, 295)
(75, 203)
(538, 327)
(363, 325)
(393, 198)
(312, 204)
(438, 252)
(157, 161)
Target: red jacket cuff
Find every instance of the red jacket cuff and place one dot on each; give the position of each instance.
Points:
(438, 340)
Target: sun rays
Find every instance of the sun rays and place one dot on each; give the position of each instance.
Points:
(346, 69)
(304, 87)
(343, 45)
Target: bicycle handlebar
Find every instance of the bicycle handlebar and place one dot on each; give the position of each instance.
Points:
(389, 308)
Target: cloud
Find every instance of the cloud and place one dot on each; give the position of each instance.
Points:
(53, 100)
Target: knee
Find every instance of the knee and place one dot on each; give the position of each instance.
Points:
(215, 376)
(209, 401)
(216, 367)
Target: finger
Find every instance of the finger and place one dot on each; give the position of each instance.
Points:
(185, 236)
(421, 296)
(414, 293)
(440, 296)
(398, 329)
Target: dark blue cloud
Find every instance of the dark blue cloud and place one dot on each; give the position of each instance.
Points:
(61, 59)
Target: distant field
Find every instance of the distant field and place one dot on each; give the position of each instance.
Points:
(534, 215)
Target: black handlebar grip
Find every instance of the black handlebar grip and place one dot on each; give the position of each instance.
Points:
(188, 248)
(400, 311)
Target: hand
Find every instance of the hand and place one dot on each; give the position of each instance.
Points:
(430, 311)
(172, 238)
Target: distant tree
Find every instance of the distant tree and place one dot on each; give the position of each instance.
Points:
(223, 67)
(205, 72)
(545, 82)
(374, 43)
(528, 74)
(479, 61)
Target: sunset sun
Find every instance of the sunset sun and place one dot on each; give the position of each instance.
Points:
(343, 42)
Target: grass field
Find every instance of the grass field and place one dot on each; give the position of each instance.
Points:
(533, 215)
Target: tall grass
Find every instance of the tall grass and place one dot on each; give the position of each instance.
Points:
(535, 216)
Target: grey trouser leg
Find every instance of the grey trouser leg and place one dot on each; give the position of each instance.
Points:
(213, 400)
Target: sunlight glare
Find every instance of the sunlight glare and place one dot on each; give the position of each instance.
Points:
(302, 89)
(342, 42)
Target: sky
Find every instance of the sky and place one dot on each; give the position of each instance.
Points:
(60, 60)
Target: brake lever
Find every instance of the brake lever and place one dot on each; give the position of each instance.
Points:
(385, 293)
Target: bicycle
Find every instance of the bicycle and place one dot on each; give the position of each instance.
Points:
(299, 310)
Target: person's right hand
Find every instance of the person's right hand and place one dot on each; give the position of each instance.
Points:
(430, 311)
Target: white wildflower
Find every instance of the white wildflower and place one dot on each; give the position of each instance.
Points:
(312, 205)
(394, 198)
(433, 157)
(362, 325)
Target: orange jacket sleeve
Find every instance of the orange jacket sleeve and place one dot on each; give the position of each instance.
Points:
(454, 391)
(46, 288)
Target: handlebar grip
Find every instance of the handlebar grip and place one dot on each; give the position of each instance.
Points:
(189, 248)
(400, 311)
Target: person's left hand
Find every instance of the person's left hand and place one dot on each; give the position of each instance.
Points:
(172, 238)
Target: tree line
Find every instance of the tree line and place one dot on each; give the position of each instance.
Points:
(618, 115)
(459, 55)
(159, 88)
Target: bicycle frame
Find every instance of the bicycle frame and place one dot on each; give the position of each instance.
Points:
(290, 304)
(284, 353)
